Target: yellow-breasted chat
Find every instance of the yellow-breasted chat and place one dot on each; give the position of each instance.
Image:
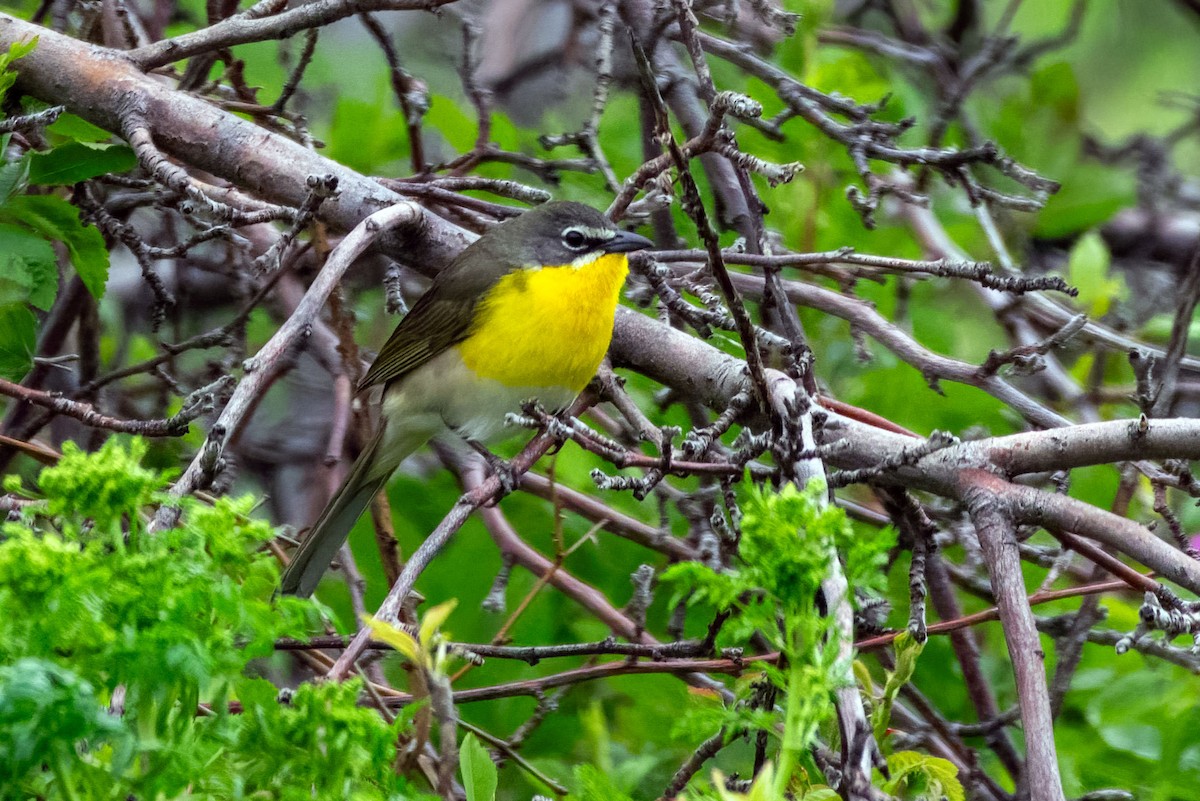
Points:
(526, 311)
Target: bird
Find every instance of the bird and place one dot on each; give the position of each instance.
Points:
(524, 312)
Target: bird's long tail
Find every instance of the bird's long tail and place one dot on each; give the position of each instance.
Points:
(313, 557)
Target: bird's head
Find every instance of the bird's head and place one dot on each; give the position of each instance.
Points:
(563, 234)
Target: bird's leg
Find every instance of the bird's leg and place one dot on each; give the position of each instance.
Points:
(558, 424)
(502, 469)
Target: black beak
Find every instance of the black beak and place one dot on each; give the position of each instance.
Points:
(626, 241)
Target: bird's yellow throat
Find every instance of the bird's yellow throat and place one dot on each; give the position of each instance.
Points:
(548, 326)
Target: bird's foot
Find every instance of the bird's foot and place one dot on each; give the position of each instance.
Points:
(500, 468)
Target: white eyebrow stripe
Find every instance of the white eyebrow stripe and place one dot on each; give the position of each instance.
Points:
(593, 233)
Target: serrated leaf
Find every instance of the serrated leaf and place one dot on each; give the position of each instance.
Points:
(14, 175)
(44, 283)
(478, 771)
(923, 777)
(77, 161)
(399, 639)
(432, 620)
(57, 219)
(14, 282)
(18, 338)
(945, 774)
(28, 260)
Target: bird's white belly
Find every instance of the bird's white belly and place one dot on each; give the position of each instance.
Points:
(444, 394)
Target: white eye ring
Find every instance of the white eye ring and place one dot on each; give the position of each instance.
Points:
(575, 239)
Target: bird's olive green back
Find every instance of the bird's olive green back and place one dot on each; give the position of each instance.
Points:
(442, 317)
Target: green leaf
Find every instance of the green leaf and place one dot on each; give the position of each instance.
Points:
(1091, 194)
(432, 620)
(595, 726)
(18, 338)
(78, 129)
(366, 136)
(1055, 87)
(1089, 259)
(763, 789)
(592, 784)
(14, 175)
(77, 161)
(452, 122)
(821, 794)
(45, 283)
(14, 282)
(16, 50)
(907, 651)
(396, 637)
(28, 267)
(478, 770)
(57, 219)
(81, 586)
(45, 711)
(923, 778)
(1087, 269)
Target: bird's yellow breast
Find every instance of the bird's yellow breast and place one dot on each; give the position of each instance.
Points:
(548, 326)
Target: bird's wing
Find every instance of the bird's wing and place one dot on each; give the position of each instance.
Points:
(442, 317)
(430, 327)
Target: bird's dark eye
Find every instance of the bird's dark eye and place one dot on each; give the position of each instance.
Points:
(574, 239)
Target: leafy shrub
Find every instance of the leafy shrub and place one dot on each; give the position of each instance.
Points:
(126, 651)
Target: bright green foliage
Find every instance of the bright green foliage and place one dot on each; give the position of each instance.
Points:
(790, 541)
(593, 784)
(30, 274)
(320, 745)
(920, 777)
(786, 548)
(366, 135)
(605, 757)
(28, 267)
(15, 51)
(100, 611)
(102, 486)
(907, 651)
(45, 709)
(29, 225)
(1088, 270)
(478, 771)
(57, 220)
(763, 788)
(428, 649)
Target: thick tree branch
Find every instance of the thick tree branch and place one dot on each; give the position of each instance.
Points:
(997, 537)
